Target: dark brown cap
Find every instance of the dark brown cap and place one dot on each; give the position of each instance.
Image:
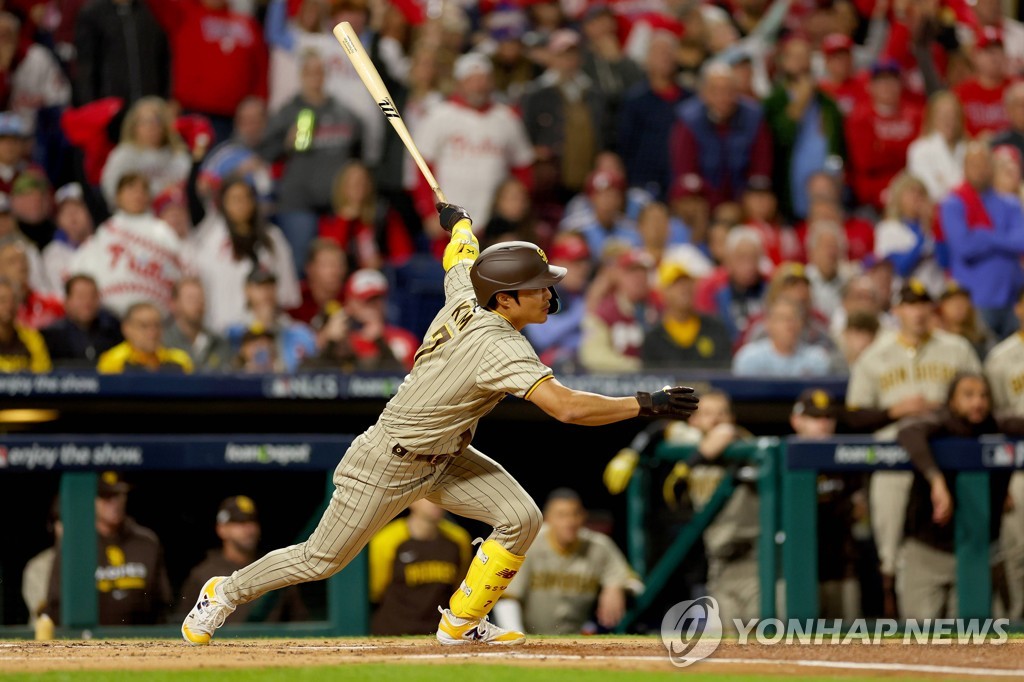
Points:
(237, 509)
(913, 291)
(816, 402)
(111, 484)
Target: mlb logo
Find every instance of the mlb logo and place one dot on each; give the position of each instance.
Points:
(1001, 455)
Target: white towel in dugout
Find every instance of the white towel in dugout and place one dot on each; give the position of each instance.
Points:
(133, 258)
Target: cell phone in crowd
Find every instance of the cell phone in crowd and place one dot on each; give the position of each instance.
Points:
(305, 125)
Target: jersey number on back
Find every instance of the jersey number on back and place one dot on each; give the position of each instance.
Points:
(460, 318)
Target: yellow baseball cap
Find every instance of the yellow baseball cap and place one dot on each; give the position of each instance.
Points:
(669, 272)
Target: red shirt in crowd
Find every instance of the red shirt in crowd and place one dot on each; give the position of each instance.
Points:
(219, 56)
(309, 308)
(38, 311)
(846, 94)
(401, 343)
(877, 146)
(983, 107)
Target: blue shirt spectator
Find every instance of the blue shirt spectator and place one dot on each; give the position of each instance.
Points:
(782, 354)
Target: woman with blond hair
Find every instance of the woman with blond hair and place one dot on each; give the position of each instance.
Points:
(905, 237)
(936, 158)
(149, 146)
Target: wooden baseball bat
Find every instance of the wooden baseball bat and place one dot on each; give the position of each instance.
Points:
(373, 82)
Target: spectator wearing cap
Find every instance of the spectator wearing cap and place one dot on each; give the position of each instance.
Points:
(32, 78)
(331, 133)
(115, 255)
(620, 310)
(120, 51)
(782, 353)
(131, 579)
(209, 32)
(926, 575)
(143, 349)
(323, 288)
(840, 81)
(1013, 134)
(982, 94)
(878, 134)
(557, 341)
(684, 338)
(74, 227)
(35, 309)
(606, 191)
(606, 65)
(905, 373)
(22, 349)
(14, 137)
(566, 116)
(985, 233)
(32, 205)
(86, 331)
(185, 330)
(738, 295)
(293, 340)
(358, 337)
(720, 142)
(150, 146)
(806, 127)
(646, 118)
(258, 352)
(238, 529)
(906, 239)
(990, 13)
(513, 69)
(473, 142)
(235, 240)
(936, 158)
(955, 314)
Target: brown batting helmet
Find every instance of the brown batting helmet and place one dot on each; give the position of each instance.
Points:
(511, 266)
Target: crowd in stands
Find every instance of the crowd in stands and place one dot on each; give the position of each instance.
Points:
(207, 186)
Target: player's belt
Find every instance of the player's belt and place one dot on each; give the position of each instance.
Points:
(399, 450)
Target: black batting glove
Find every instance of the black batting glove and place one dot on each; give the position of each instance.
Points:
(451, 214)
(677, 401)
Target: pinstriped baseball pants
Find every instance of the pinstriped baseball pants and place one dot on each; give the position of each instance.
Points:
(372, 486)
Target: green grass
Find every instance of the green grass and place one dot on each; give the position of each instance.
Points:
(377, 672)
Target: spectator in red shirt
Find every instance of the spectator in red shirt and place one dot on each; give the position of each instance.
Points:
(982, 95)
(218, 58)
(720, 142)
(840, 82)
(878, 134)
(35, 310)
(325, 278)
(373, 339)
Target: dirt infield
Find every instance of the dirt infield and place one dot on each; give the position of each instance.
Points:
(892, 659)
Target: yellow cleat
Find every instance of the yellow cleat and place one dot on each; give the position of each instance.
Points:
(454, 631)
(209, 613)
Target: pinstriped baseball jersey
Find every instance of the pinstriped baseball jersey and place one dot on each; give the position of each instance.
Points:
(1004, 367)
(469, 360)
(890, 371)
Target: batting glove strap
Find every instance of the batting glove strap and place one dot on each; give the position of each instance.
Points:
(451, 215)
(677, 401)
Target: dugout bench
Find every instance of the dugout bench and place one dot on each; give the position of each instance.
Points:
(81, 458)
(786, 481)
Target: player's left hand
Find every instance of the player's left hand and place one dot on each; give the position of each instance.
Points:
(674, 401)
(450, 215)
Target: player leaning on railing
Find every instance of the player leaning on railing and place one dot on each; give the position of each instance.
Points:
(472, 356)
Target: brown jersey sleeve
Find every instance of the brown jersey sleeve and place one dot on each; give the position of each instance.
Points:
(511, 366)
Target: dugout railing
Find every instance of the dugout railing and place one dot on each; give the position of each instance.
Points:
(786, 472)
(81, 458)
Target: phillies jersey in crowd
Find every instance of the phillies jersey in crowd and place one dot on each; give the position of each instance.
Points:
(39, 310)
(133, 258)
(984, 111)
(877, 142)
(473, 150)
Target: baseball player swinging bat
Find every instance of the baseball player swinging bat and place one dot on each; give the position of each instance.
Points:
(375, 84)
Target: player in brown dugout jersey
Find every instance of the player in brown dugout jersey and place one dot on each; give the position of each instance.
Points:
(472, 356)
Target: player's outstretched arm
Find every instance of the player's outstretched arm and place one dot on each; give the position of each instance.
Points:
(591, 409)
(463, 245)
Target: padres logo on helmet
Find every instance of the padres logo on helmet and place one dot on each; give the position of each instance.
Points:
(511, 266)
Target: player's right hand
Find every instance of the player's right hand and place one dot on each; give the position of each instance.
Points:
(451, 215)
(619, 470)
(674, 401)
